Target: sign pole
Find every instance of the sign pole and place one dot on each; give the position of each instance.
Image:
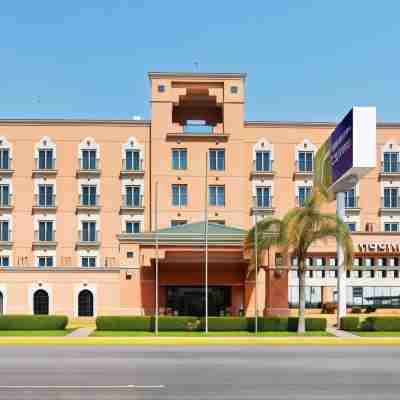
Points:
(206, 245)
(157, 278)
(341, 268)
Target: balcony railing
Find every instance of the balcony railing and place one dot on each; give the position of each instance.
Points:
(47, 165)
(46, 202)
(87, 237)
(301, 201)
(89, 201)
(5, 236)
(6, 201)
(6, 166)
(133, 167)
(390, 203)
(44, 238)
(390, 167)
(262, 203)
(132, 201)
(304, 168)
(266, 167)
(351, 203)
(88, 166)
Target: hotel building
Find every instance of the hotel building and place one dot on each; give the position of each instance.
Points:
(78, 220)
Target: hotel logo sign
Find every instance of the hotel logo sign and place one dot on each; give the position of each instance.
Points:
(379, 247)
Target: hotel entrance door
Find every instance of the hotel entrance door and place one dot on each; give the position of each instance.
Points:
(189, 300)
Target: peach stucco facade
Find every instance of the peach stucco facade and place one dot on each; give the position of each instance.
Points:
(117, 266)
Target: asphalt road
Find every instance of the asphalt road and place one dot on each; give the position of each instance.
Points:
(201, 372)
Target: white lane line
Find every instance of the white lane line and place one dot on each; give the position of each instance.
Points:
(65, 387)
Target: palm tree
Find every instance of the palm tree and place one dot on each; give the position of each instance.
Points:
(295, 233)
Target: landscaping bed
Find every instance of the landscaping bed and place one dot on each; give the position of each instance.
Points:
(228, 326)
(372, 326)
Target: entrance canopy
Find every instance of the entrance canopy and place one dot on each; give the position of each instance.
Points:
(190, 234)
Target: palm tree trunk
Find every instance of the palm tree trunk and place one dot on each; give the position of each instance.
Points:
(301, 328)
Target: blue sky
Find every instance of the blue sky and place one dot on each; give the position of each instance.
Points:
(306, 60)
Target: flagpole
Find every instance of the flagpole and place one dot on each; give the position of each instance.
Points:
(156, 240)
(206, 243)
(256, 262)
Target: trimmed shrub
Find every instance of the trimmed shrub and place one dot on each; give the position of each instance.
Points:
(312, 324)
(33, 322)
(356, 310)
(273, 324)
(349, 323)
(381, 324)
(123, 323)
(328, 308)
(227, 324)
(179, 324)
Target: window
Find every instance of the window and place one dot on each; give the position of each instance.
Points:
(129, 254)
(216, 195)
(234, 89)
(179, 159)
(89, 159)
(304, 193)
(390, 198)
(132, 160)
(306, 161)
(177, 222)
(41, 302)
(5, 195)
(45, 160)
(89, 233)
(357, 292)
(4, 231)
(4, 159)
(350, 199)
(88, 261)
(45, 261)
(217, 159)
(133, 198)
(89, 195)
(46, 231)
(263, 197)
(85, 304)
(179, 195)
(351, 226)
(263, 161)
(391, 227)
(4, 261)
(46, 198)
(161, 88)
(391, 161)
(132, 226)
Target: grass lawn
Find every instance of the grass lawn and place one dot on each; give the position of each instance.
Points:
(35, 333)
(197, 334)
(377, 334)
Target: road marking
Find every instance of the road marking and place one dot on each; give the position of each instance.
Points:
(65, 387)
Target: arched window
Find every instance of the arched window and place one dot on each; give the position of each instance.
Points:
(41, 302)
(85, 303)
(1, 304)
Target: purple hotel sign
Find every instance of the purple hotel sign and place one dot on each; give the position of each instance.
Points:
(341, 156)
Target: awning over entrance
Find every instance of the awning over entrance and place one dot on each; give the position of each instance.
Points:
(189, 234)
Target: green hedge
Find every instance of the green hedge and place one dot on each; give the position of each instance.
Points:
(179, 324)
(312, 324)
(381, 324)
(269, 324)
(123, 323)
(33, 322)
(349, 323)
(227, 324)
